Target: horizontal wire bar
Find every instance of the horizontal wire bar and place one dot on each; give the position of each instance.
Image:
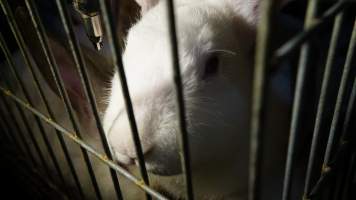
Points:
(86, 83)
(183, 136)
(259, 93)
(74, 138)
(117, 61)
(41, 34)
(290, 46)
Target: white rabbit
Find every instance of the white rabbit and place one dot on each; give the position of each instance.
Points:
(216, 46)
(216, 40)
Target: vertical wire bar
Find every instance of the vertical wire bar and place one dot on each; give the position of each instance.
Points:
(311, 13)
(42, 36)
(322, 98)
(117, 60)
(22, 114)
(87, 147)
(346, 141)
(34, 141)
(81, 67)
(350, 109)
(340, 96)
(327, 73)
(11, 20)
(296, 110)
(183, 137)
(18, 130)
(39, 88)
(52, 117)
(260, 82)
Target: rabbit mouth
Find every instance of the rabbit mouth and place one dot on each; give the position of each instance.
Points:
(161, 171)
(162, 162)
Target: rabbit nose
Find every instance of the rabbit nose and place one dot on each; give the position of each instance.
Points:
(121, 137)
(127, 156)
(146, 146)
(123, 159)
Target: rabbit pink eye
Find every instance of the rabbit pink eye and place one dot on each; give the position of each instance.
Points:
(211, 66)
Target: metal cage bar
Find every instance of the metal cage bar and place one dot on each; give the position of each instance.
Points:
(301, 77)
(23, 50)
(117, 61)
(292, 45)
(260, 81)
(341, 95)
(81, 68)
(9, 133)
(61, 88)
(344, 144)
(88, 148)
(49, 110)
(28, 151)
(350, 107)
(22, 114)
(296, 110)
(183, 137)
(327, 73)
(259, 90)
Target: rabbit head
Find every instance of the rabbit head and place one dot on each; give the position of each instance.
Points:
(215, 40)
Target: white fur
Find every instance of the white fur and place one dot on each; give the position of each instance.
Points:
(218, 109)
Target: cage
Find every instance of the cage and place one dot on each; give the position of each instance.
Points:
(48, 152)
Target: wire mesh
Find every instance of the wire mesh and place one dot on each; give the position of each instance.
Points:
(81, 68)
(263, 59)
(61, 88)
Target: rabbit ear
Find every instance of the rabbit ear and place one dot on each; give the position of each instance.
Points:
(146, 4)
(98, 68)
